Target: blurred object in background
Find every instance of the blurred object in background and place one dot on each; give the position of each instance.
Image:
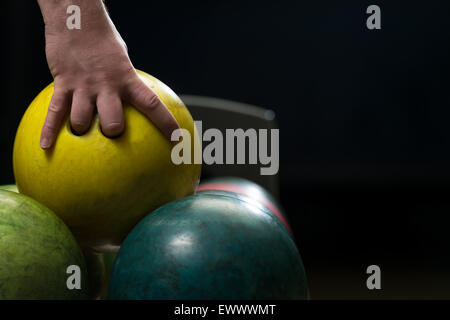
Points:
(223, 114)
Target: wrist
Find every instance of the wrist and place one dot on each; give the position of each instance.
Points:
(93, 16)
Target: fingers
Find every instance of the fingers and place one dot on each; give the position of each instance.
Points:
(147, 102)
(110, 112)
(57, 110)
(109, 107)
(82, 111)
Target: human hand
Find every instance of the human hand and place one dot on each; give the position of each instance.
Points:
(92, 71)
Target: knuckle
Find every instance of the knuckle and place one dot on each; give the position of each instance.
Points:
(50, 127)
(151, 102)
(55, 107)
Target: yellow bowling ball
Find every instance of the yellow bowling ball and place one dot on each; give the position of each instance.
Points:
(102, 187)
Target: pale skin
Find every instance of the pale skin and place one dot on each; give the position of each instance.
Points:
(93, 73)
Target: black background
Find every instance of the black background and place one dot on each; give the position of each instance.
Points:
(363, 118)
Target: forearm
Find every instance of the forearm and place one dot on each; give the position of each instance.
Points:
(93, 16)
(77, 49)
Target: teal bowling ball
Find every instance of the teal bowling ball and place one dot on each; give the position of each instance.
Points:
(208, 246)
(283, 224)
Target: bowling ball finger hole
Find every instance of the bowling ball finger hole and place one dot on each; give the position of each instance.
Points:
(93, 122)
(72, 131)
(111, 137)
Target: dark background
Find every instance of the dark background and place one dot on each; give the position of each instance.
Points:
(363, 118)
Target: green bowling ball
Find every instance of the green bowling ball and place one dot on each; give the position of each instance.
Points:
(38, 253)
(9, 187)
(208, 246)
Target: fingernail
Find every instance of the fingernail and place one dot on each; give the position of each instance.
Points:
(45, 143)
